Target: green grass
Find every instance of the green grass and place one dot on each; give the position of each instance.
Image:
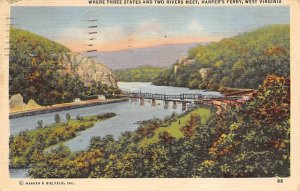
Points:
(174, 128)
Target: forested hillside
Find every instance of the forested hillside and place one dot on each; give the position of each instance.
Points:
(242, 61)
(250, 141)
(36, 72)
(140, 74)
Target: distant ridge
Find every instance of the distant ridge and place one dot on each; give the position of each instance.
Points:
(157, 56)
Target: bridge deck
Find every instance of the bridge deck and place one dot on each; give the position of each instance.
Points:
(169, 97)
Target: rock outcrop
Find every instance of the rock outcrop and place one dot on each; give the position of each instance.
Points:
(204, 72)
(87, 69)
(16, 103)
(185, 61)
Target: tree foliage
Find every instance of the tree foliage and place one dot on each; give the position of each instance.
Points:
(242, 61)
(256, 141)
(248, 141)
(36, 73)
(140, 74)
(28, 146)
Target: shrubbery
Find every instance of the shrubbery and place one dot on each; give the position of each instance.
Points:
(35, 72)
(28, 146)
(238, 62)
(248, 141)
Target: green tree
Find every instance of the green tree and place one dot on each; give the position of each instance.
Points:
(40, 124)
(68, 117)
(57, 118)
(243, 61)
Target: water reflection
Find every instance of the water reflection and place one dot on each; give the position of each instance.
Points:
(174, 105)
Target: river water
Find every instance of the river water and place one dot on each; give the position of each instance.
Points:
(128, 114)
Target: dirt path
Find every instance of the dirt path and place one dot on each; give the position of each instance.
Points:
(219, 109)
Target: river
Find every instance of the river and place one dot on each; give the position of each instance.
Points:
(128, 114)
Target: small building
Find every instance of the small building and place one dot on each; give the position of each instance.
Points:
(247, 97)
(101, 97)
(76, 100)
(241, 101)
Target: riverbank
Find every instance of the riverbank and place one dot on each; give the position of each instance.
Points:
(228, 91)
(225, 91)
(65, 106)
(128, 114)
(27, 146)
(174, 126)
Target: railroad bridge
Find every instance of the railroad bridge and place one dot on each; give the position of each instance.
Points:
(184, 99)
(179, 98)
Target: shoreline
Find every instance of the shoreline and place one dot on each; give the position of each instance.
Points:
(64, 106)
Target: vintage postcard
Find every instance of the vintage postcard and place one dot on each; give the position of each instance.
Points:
(149, 95)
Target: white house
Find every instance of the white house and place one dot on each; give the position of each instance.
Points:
(77, 100)
(247, 97)
(101, 97)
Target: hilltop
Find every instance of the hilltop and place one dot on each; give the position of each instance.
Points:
(49, 73)
(242, 61)
(139, 74)
(156, 56)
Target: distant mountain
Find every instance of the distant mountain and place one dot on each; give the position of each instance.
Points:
(139, 74)
(157, 56)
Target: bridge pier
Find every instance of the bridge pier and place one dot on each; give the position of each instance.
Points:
(183, 105)
(166, 104)
(142, 101)
(189, 106)
(153, 102)
(174, 104)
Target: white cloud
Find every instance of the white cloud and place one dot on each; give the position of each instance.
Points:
(110, 34)
(194, 27)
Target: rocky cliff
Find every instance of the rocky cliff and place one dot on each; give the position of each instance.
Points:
(87, 69)
(38, 69)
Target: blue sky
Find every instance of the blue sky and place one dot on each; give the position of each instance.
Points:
(121, 28)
